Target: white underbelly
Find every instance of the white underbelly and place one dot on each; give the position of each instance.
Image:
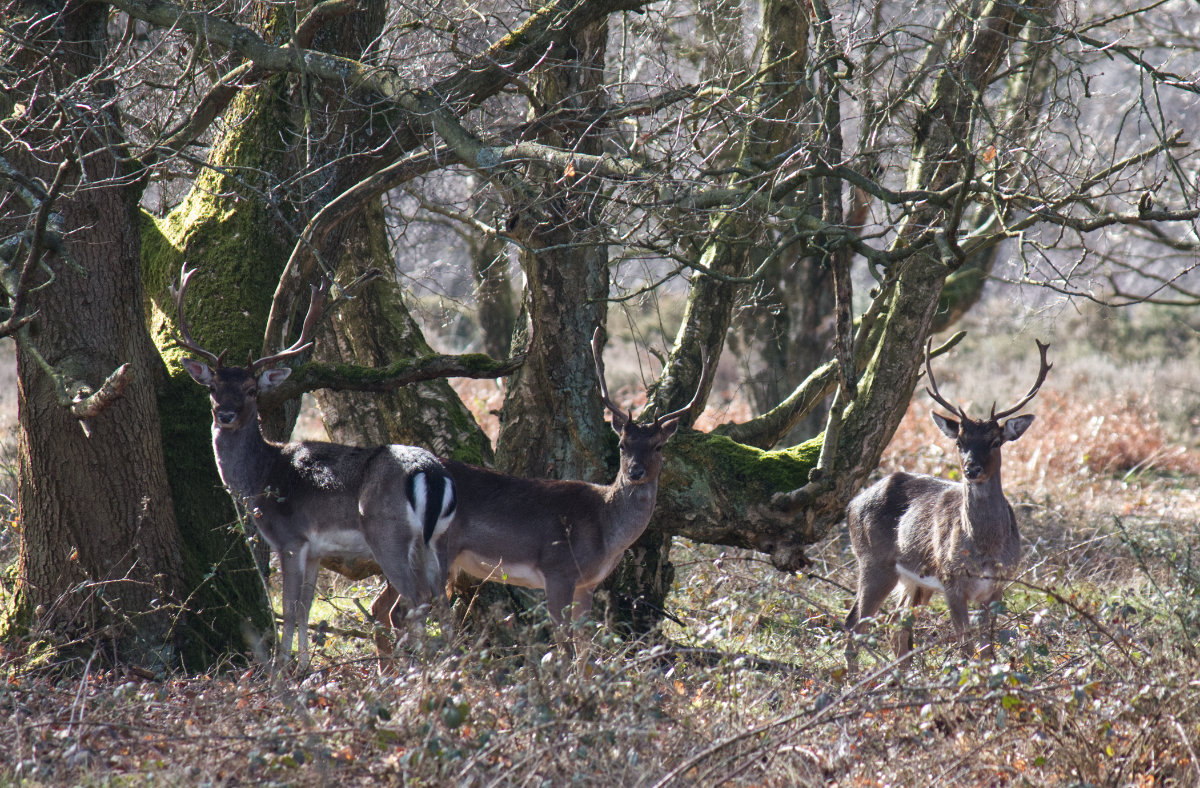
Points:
(514, 574)
(910, 579)
(975, 589)
(338, 543)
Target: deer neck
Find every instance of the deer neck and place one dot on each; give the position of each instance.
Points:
(245, 459)
(630, 508)
(984, 505)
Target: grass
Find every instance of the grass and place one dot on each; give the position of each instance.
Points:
(1093, 682)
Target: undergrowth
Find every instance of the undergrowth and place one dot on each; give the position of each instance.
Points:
(1093, 680)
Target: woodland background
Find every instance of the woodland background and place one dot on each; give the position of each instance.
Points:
(801, 190)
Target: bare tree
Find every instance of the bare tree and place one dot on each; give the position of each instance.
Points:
(794, 150)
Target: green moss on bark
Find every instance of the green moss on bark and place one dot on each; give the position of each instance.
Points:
(226, 230)
(225, 593)
(716, 490)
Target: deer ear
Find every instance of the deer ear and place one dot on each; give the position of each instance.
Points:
(948, 426)
(667, 429)
(199, 371)
(270, 378)
(618, 421)
(1015, 427)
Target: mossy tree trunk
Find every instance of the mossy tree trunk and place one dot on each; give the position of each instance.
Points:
(225, 229)
(889, 343)
(233, 227)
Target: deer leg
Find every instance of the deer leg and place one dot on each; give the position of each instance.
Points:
(403, 558)
(383, 610)
(560, 602)
(582, 604)
(960, 617)
(914, 597)
(874, 585)
(582, 599)
(987, 634)
(308, 589)
(292, 572)
(403, 582)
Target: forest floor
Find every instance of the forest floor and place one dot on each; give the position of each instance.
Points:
(1093, 682)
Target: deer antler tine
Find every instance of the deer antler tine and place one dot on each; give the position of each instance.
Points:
(706, 372)
(1043, 368)
(932, 388)
(598, 357)
(304, 342)
(185, 331)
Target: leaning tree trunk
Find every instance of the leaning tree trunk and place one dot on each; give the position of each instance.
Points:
(100, 557)
(374, 328)
(890, 339)
(645, 576)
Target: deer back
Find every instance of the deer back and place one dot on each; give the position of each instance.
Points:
(521, 523)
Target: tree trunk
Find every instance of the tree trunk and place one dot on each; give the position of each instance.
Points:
(552, 422)
(100, 560)
(643, 581)
(375, 329)
(495, 305)
(236, 241)
(892, 342)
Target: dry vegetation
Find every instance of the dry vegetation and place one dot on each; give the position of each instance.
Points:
(1093, 684)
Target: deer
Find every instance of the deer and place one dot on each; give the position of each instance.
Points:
(561, 536)
(314, 501)
(923, 534)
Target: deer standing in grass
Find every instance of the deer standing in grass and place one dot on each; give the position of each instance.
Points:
(927, 534)
(315, 501)
(562, 536)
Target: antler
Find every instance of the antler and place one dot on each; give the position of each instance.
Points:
(1041, 378)
(299, 346)
(185, 332)
(706, 371)
(932, 388)
(305, 341)
(705, 375)
(597, 355)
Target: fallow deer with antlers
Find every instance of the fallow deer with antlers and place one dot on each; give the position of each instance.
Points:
(315, 501)
(563, 536)
(926, 534)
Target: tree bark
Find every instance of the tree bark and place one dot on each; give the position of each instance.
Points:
(644, 578)
(552, 423)
(373, 330)
(238, 242)
(100, 561)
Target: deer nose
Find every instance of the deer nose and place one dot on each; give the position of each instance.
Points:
(226, 417)
(636, 472)
(973, 471)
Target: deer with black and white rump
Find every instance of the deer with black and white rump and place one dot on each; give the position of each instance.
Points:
(563, 536)
(315, 501)
(925, 534)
